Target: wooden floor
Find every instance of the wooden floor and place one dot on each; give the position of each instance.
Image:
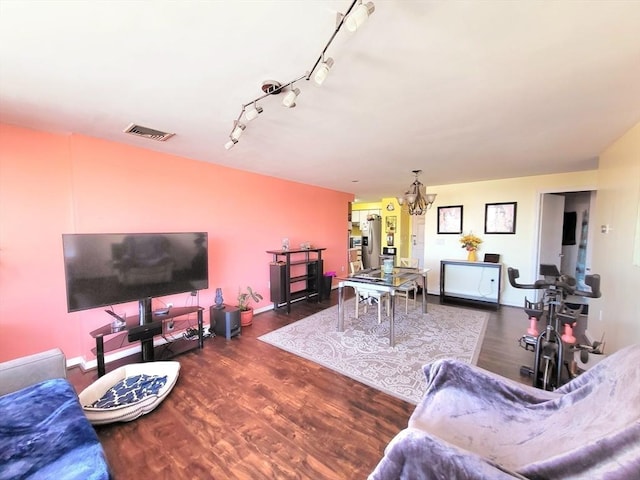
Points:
(243, 409)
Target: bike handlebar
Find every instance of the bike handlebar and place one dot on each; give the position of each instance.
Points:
(592, 281)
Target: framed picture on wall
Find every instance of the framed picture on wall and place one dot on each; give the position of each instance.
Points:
(500, 217)
(450, 219)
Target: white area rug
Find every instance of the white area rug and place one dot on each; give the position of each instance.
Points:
(362, 351)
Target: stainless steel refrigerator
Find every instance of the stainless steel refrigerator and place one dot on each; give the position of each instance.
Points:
(371, 243)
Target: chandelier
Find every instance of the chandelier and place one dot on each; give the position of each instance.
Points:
(416, 197)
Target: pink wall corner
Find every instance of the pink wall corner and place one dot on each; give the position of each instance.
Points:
(55, 184)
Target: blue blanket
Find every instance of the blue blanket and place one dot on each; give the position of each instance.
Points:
(44, 434)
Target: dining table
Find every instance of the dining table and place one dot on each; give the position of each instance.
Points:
(379, 280)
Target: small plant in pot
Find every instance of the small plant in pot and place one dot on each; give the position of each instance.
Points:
(245, 297)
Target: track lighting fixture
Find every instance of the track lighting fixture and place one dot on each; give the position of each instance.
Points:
(416, 197)
(359, 15)
(356, 15)
(289, 99)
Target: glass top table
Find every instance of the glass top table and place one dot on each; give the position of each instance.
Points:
(377, 279)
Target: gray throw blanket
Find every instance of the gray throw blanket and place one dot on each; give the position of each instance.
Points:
(473, 424)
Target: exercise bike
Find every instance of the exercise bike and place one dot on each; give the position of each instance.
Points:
(549, 345)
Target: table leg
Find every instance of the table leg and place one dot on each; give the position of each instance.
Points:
(392, 333)
(341, 307)
(100, 355)
(200, 330)
(424, 293)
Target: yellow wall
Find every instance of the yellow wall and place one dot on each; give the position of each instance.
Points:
(617, 313)
(398, 232)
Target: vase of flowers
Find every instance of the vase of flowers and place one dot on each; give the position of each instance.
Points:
(470, 243)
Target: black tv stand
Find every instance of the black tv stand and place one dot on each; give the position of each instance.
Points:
(134, 330)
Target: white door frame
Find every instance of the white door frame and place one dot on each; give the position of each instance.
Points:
(535, 260)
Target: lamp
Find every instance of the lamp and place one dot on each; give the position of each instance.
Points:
(356, 15)
(359, 15)
(289, 100)
(238, 128)
(323, 71)
(253, 112)
(416, 197)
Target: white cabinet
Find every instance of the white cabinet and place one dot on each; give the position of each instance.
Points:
(355, 217)
(470, 283)
(359, 217)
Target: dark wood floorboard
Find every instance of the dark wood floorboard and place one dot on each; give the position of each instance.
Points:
(243, 409)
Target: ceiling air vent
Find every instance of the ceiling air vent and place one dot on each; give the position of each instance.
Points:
(149, 133)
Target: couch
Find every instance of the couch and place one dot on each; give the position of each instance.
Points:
(44, 433)
(473, 424)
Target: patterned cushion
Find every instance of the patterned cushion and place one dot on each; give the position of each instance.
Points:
(130, 390)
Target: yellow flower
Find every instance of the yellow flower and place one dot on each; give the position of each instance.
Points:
(470, 242)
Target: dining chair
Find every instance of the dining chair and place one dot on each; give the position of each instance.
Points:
(409, 287)
(365, 295)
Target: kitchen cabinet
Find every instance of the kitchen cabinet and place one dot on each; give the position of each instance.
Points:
(362, 216)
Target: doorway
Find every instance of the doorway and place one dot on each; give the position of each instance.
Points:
(417, 238)
(566, 232)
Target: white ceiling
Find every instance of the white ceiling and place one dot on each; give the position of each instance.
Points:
(464, 90)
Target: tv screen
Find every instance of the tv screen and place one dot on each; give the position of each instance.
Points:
(110, 268)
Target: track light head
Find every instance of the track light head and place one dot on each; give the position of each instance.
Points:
(289, 100)
(323, 71)
(253, 112)
(230, 144)
(359, 15)
(237, 131)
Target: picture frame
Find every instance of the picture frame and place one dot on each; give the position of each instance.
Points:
(391, 222)
(450, 220)
(500, 218)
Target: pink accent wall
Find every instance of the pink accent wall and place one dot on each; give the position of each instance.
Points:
(52, 184)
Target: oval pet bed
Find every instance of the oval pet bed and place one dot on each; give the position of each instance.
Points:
(128, 392)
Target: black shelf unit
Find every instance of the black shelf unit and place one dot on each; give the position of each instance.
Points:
(295, 274)
(121, 337)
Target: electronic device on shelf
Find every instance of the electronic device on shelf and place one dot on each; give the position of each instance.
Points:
(145, 332)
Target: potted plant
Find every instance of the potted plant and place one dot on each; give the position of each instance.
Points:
(244, 300)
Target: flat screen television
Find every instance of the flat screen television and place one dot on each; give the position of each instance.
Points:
(110, 268)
